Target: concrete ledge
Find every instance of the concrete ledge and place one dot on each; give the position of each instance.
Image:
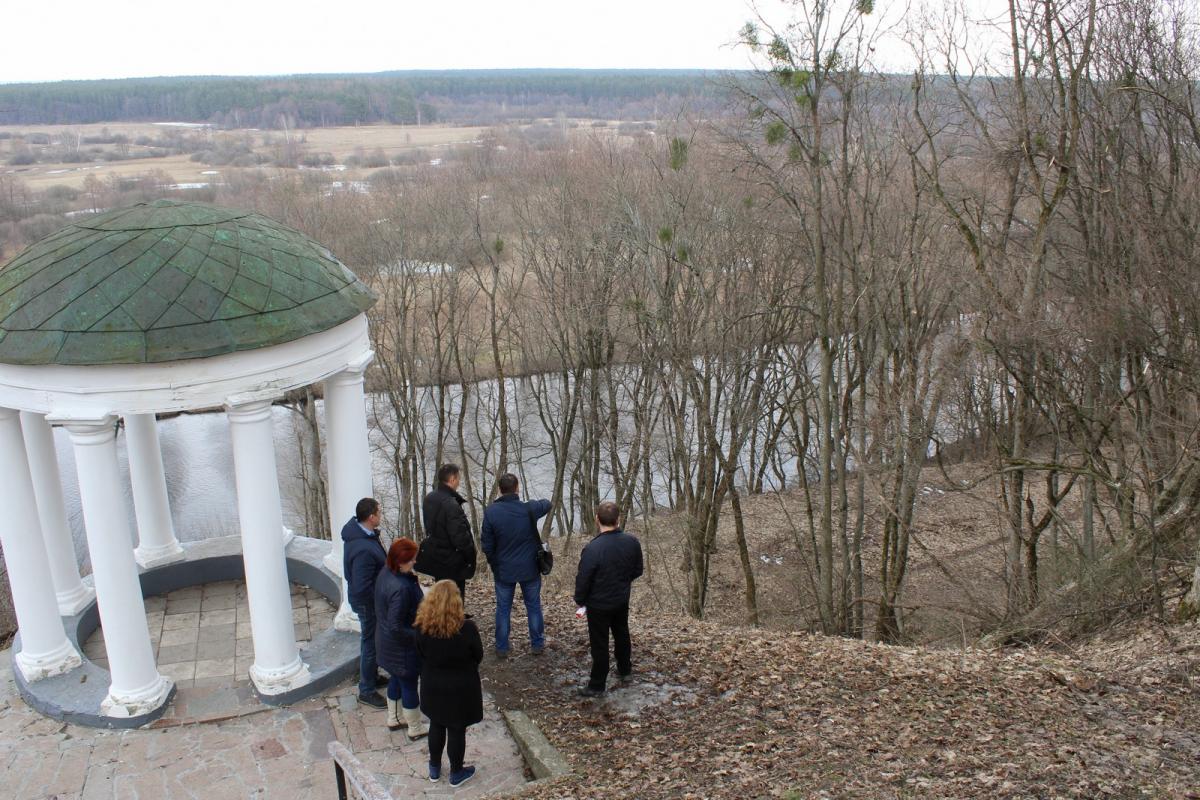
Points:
(544, 760)
(76, 696)
(331, 655)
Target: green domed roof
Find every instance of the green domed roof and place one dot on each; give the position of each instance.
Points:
(166, 281)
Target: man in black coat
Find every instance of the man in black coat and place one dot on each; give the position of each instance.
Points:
(448, 550)
(608, 567)
(363, 557)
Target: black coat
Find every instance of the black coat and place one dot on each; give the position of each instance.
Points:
(448, 550)
(509, 537)
(450, 690)
(607, 567)
(362, 558)
(396, 599)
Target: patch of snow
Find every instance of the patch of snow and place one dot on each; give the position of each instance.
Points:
(356, 187)
(411, 267)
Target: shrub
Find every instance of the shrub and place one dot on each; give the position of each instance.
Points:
(317, 159)
(376, 159)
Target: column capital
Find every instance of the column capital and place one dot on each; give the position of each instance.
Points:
(353, 372)
(96, 430)
(249, 412)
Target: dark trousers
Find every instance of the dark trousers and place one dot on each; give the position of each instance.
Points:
(404, 690)
(455, 736)
(600, 622)
(368, 667)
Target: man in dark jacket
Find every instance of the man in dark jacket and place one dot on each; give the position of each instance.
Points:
(363, 557)
(510, 541)
(448, 550)
(607, 568)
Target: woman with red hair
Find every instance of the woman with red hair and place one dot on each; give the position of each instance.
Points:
(397, 596)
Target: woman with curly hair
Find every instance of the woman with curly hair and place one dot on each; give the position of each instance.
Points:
(397, 597)
(451, 695)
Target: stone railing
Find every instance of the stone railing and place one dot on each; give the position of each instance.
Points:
(354, 781)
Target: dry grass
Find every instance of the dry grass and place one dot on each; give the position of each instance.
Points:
(391, 139)
(180, 169)
(341, 142)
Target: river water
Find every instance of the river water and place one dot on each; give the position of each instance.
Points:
(198, 459)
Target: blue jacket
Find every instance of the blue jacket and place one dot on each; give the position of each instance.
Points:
(509, 537)
(396, 599)
(362, 558)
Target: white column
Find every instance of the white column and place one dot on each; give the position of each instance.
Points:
(349, 464)
(157, 544)
(137, 687)
(277, 666)
(45, 649)
(70, 591)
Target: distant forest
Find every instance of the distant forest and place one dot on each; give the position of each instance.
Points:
(304, 101)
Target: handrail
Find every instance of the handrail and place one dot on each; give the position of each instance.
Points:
(354, 780)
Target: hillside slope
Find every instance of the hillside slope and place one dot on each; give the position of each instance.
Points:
(733, 712)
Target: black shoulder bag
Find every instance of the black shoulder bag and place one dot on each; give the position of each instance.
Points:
(545, 559)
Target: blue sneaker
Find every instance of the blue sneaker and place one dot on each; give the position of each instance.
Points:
(435, 772)
(462, 776)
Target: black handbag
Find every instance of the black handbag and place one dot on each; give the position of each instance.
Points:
(545, 559)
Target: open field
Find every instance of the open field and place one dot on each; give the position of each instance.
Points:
(181, 170)
(340, 142)
(390, 138)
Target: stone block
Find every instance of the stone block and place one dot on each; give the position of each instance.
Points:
(181, 636)
(217, 633)
(176, 653)
(218, 617)
(211, 668)
(176, 621)
(218, 603)
(209, 651)
(182, 671)
(543, 759)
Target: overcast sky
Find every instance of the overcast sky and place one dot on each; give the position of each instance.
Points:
(72, 39)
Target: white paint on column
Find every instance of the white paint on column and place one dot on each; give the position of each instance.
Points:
(45, 649)
(277, 666)
(71, 593)
(157, 544)
(349, 464)
(137, 688)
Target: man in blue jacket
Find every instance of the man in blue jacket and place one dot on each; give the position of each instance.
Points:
(608, 567)
(363, 557)
(510, 541)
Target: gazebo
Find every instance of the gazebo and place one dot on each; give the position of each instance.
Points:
(164, 307)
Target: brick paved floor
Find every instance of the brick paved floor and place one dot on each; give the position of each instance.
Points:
(201, 635)
(217, 742)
